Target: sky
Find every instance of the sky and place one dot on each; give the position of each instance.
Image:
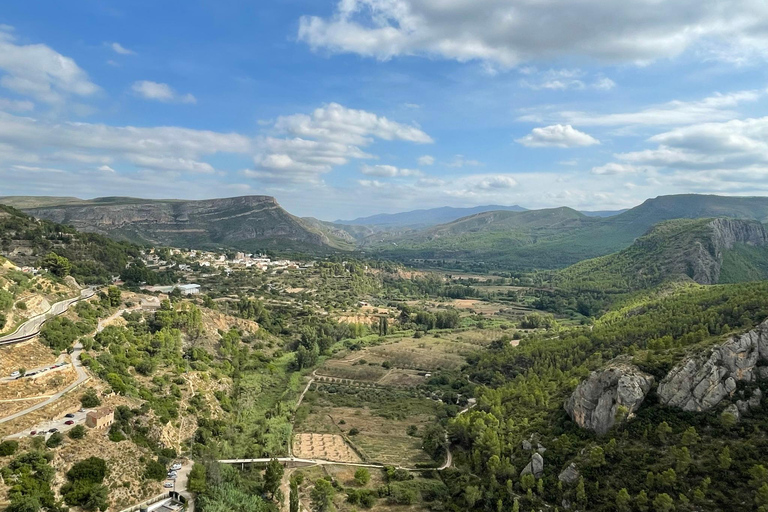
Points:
(348, 108)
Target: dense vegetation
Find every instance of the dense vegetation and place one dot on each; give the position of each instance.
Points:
(527, 386)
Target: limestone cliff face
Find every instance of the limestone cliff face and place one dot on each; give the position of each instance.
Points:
(701, 382)
(595, 403)
(237, 222)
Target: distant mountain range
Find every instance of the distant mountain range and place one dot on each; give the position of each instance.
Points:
(508, 237)
(416, 219)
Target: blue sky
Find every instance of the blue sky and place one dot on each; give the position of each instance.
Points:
(344, 108)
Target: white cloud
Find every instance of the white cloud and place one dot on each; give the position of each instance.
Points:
(718, 107)
(16, 105)
(389, 171)
(160, 92)
(459, 161)
(106, 168)
(426, 160)
(331, 136)
(495, 183)
(507, 33)
(614, 168)
(557, 136)
(604, 84)
(40, 72)
(733, 145)
(122, 50)
(164, 148)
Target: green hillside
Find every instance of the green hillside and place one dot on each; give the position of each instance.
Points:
(556, 238)
(707, 251)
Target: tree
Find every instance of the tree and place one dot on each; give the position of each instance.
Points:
(272, 477)
(761, 498)
(322, 495)
(362, 476)
(56, 265)
(8, 448)
(690, 437)
(724, 460)
(114, 295)
(90, 399)
(642, 501)
(663, 431)
(77, 432)
(154, 470)
(623, 501)
(581, 493)
(516, 506)
(196, 482)
(597, 457)
(92, 469)
(55, 440)
(663, 503)
(294, 497)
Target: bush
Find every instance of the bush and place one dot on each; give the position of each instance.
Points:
(354, 431)
(55, 440)
(8, 448)
(362, 476)
(21, 305)
(90, 399)
(154, 471)
(78, 432)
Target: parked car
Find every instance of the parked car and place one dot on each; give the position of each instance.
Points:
(176, 467)
(16, 374)
(69, 422)
(171, 477)
(167, 485)
(69, 415)
(41, 432)
(53, 430)
(33, 432)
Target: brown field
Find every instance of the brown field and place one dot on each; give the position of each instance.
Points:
(45, 384)
(379, 439)
(324, 446)
(29, 354)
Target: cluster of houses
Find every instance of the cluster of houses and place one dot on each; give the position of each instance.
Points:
(240, 260)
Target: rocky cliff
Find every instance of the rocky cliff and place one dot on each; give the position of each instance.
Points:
(702, 381)
(248, 223)
(610, 394)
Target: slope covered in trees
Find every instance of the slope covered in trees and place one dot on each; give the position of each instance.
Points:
(663, 459)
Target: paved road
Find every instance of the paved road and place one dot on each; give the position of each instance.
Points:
(47, 367)
(81, 377)
(33, 325)
(182, 477)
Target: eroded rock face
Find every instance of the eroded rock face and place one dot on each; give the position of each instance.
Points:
(701, 382)
(595, 402)
(570, 474)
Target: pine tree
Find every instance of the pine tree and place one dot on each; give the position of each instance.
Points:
(623, 501)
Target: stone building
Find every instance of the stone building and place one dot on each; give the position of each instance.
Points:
(102, 417)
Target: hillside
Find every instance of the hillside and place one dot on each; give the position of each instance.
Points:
(426, 217)
(93, 258)
(248, 223)
(556, 238)
(707, 251)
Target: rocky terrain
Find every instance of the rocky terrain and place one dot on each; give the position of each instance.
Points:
(610, 394)
(246, 223)
(702, 381)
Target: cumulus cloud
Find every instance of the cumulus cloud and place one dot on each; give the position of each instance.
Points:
(614, 168)
(40, 72)
(331, 136)
(506, 33)
(389, 171)
(160, 92)
(122, 50)
(426, 160)
(557, 136)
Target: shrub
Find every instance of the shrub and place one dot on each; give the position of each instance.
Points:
(78, 432)
(55, 440)
(354, 431)
(154, 471)
(8, 448)
(90, 399)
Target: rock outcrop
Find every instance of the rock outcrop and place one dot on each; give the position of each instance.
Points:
(701, 382)
(535, 467)
(596, 402)
(570, 474)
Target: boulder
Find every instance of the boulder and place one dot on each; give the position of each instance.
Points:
(535, 467)
(701, 382)
(570, 474)
(595, 403)
(733, 410)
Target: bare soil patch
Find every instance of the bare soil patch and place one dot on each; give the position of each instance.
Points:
(324, 446)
